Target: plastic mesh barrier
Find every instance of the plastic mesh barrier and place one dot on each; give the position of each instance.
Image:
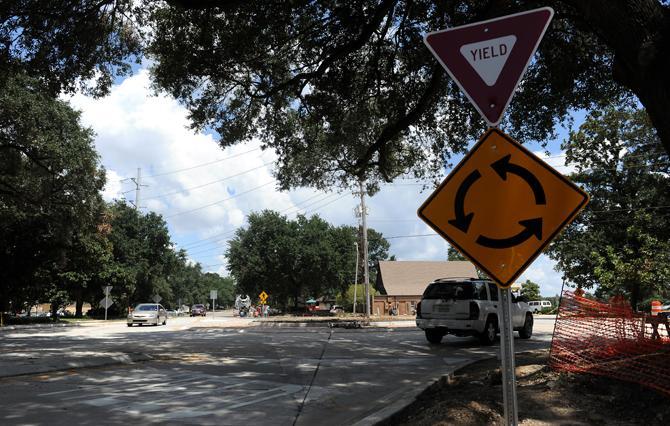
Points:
(609, 339)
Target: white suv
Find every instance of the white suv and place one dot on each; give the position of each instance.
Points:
(467, 307)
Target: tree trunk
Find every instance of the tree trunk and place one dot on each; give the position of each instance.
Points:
(79, 302)
(635, 295)
(54, 311)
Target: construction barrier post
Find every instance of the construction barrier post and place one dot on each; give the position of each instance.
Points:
(655, 307)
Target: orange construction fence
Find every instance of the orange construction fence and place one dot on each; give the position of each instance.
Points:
(610, 339)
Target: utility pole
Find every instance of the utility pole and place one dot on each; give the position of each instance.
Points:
(356, 276)
(366, 278)
(138, 186)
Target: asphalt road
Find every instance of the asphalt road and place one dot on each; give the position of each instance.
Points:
(221, 371)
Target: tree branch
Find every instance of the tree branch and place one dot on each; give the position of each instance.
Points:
(403, 122)
(27, 153)
(339, 52)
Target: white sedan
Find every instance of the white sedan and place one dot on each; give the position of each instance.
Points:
(147, 313)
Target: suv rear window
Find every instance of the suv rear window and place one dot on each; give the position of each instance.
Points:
(456, 291)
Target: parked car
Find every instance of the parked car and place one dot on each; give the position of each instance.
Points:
(467, 307)
(198, 310)
(336, 309)
(147, 313)
(537, 305)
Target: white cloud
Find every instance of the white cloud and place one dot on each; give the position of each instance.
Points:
(112, 188)
(557, 161)
(542, 272)
(138, 130)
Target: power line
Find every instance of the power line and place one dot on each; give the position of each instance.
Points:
(304, 208)
(202, 164)
(204, 240)
(219, 201)
(215, 264)
(632, 209)
(412, 236)
(232, 231)
(208, 183)
(327, 204)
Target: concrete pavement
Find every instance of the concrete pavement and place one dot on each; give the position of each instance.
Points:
(200, 371)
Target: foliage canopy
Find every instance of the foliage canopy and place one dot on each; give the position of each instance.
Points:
(620, 242)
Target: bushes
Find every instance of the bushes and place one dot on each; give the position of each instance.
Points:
(27, 320)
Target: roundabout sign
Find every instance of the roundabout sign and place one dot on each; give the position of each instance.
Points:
(501, 206)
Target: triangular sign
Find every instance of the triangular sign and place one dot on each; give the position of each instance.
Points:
(487, 59)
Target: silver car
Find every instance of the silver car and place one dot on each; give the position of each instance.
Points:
(147, 313)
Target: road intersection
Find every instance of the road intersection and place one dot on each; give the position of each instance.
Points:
(222, 371)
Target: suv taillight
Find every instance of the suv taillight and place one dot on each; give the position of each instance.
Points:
(474, 311)
(418, 310)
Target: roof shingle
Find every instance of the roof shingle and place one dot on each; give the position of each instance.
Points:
(409, 278)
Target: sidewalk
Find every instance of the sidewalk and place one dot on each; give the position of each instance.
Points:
(86, 323)
(22, 363)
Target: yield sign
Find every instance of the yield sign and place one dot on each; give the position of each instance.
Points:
(501, 206)
(487, 59)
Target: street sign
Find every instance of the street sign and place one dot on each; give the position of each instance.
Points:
(263, 296)
(156, 298)
(106, 302)
(212, 295)
(501, 206)
(487, 59)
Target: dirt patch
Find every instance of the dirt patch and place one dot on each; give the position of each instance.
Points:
(473, 396)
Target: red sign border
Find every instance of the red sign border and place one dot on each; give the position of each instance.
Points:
(542, 164)
(509, 98)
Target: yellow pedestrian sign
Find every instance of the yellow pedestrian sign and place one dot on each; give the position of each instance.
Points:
(501, 206)
(263, 296)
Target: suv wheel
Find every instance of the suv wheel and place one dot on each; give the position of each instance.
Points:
(434, 335)
(527, 331)
(488, 336)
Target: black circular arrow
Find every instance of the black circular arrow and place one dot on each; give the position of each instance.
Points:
(503, 166)
(463, 220)
(533, 227)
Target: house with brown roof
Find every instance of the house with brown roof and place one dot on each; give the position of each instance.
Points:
(401, 283)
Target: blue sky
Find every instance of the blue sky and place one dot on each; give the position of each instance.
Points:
(205, 193)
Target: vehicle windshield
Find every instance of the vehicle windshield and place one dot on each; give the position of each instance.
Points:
(146, 308)
(453, 291)
(198, 306)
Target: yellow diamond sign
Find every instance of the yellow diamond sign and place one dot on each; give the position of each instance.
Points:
(501, 206)
(263, 296)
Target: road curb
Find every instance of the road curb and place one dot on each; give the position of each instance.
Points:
(102, 361)
(37, 326)
(335, 324)
(325, 324)
(404, 399)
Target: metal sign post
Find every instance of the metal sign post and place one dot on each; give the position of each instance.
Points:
(107, 302)
(106, 297)
(507, 357)
(213, 295)
(477, 209)
(157, 300)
